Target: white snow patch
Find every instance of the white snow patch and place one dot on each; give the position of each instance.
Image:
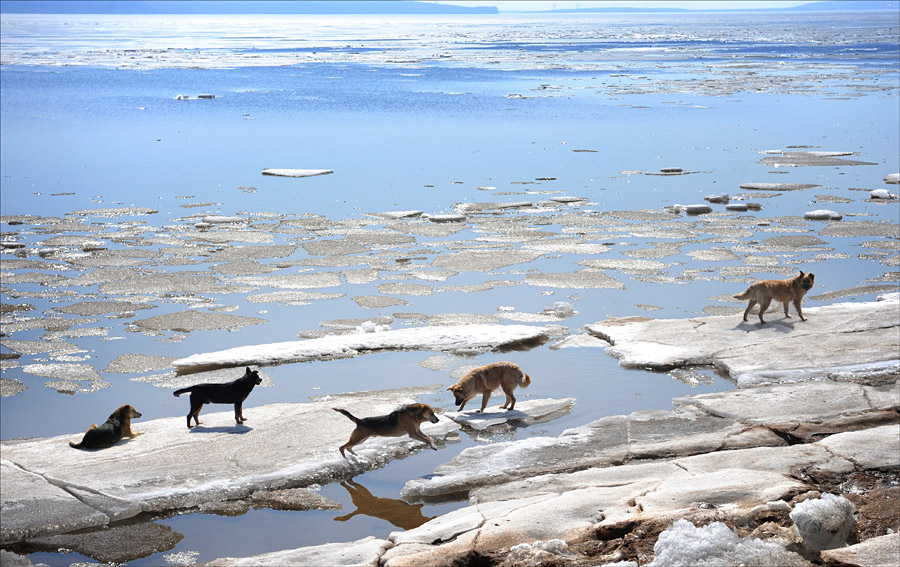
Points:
(528, 555)
(826, 522)
(684, 545)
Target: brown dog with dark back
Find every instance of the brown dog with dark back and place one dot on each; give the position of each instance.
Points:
(784, 291)
(405, 420)
(111, 432)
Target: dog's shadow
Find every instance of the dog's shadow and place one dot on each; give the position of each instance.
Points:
(781, 326)
(230, 429)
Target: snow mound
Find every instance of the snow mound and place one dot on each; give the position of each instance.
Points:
(826, 522)
(716, 545)
(528, 555)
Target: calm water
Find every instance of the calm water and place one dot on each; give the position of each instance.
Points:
(424, 114)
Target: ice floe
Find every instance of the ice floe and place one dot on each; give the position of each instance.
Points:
(835, 338)
(453, 337)
(50, 488)
(296, 172)
(527, 412)
(822, 214)
(881, 194)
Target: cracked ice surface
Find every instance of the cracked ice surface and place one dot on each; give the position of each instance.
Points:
(468, 337)
(700, 424)
(686, 463)
(855, 338)
(49, 488)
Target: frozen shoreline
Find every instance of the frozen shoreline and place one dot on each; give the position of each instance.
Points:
(833, 426)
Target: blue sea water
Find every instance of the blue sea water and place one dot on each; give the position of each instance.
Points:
(415, 113)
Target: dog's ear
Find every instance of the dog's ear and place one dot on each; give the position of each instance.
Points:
(250, 371)
(801, 273)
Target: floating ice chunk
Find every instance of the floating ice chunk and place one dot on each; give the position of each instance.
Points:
(893, 178)
(778, 186)
(398, 214)
(568, 199)
(446, 218)
(372, 327)
(218, 219)
(822, 214)
(740, 207)
(826, 522)
(881, 194)
(560, 309)
(671, 170)
(527, 412)
(697, 209)
(296, 172)
(723, 198)
(683, 545)
(206, 96)
(182, 97)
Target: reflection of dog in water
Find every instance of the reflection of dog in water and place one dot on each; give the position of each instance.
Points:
(397, 512)
(229, 393)
(117, 426)
(405, 420)
(485, 379)
(784, 291)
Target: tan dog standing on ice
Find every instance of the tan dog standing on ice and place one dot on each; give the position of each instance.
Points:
(784, 291)
(485, 379)
(403, 421)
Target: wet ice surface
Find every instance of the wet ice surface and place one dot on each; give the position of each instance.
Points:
(109, 277)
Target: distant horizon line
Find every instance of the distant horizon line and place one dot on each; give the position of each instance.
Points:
(383, 7)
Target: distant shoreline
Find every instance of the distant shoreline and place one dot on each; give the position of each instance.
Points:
(385, 7)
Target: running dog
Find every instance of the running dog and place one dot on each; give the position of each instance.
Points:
(485, 379)
(785, 291)
(111, 432)
(405, 420)
(229, 393)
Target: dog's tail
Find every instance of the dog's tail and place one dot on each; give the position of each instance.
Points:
(524, 380)
(745, 295)
(353, 418)
(75, 445)
(177, 393)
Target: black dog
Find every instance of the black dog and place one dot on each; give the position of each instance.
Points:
(229, 393)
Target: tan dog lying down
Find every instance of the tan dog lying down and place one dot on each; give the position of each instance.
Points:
(404, 421)
(111, 432)
(485, 379)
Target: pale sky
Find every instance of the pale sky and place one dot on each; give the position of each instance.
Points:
(514, 6)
